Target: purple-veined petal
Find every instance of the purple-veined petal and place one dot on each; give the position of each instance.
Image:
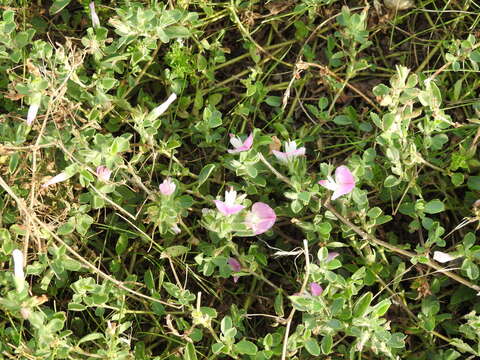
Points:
(316, 289)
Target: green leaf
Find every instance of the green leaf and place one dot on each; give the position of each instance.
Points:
(65, 229)
(177, 31)
(174, 251)
(205, 173)
(374, 212)
(470, 269)
(391, 181)
(246, 347)
(474, 183)
(381, 308)
(58, 5)
(326, 345)
(190, 353)
(120, 144)
(121, 245)
(13, 163)
(388, 120)
(76, 307)
(342, 120)
(475, 56)
(278, 305)
(90, 337)
(312, 347)
(218, 347)
(430, 306)
(274, 101)
(226, 324)
(84, 222)
(457, 179)
(148, 279)
(362, 305)
(434, 207)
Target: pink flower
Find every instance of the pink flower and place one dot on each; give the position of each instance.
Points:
(291, 152)
(343, 184)
(32, 113)
(167, 187)
(235, 266)
(260, 218)
(238, 145)
(315, 289)
(103, 173)
(94, 16)
(332, 255)
(228, 207)
(56, 179)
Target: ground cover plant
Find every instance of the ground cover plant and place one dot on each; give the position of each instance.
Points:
(239, 179)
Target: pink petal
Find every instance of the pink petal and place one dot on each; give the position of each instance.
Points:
(261, 218)
(238, 149)
(298, 152)
(315, 289)
(248, 141)
(167, 187)
(342, 190)
(103, 173)
(343, 176)
(238, 146)
(344, 182)
(234, 264)
(283, 157)
(228, 209)
(332, 255)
